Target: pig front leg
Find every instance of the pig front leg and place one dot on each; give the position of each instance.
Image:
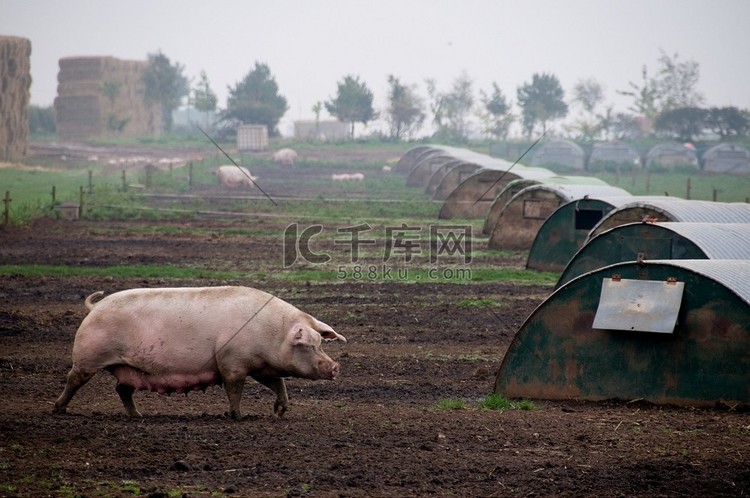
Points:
(277, 385)
(126, 396)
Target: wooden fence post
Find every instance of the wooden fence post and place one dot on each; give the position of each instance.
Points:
(6, 209)
(91, 183)
(688, 188)
(80, 203)
(124, 182)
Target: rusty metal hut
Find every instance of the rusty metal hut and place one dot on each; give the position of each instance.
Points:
(448, 177)
(473, 197)
(525, 213)
(512, 188)
(674, 209)
(639, 241)
(727, 158)
(674, 331)
(560, 155)
(563, 233)
(411, 157)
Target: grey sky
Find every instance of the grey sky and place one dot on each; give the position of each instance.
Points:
(310, 45)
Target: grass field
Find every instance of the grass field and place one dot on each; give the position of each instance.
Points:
(30, 186)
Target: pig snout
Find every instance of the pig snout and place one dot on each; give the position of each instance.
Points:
(328, 369)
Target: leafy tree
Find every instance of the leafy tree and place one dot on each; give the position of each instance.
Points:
(541, 101)
(589, 94)
(684, 123)
(405, 113)
(256, 100)
(677, 83)
(625, 126)
(674, 87)
(451, 110)
(204, 98)
(645, 96)
(728, 122)
(353, 102)
(41, 119)
(165, 85)
(495, 113)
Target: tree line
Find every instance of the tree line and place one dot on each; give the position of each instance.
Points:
(666, 104)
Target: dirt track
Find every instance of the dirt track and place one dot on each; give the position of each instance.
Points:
(375, 431)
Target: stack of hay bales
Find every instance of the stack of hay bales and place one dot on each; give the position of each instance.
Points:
(103, 96)
(15, 82)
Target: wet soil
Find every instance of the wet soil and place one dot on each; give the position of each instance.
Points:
(380, 429)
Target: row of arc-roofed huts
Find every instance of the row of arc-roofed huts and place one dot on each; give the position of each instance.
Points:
(567, 155)
(653, 300)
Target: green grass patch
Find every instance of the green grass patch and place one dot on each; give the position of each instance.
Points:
(497, 402)
(451, 404)
(477, 303)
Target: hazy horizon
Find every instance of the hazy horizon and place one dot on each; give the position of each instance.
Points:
(310, 46)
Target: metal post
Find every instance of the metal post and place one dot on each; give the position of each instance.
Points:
(688, 188)
(91, 184)
(80, 203)
(54, 195)
(190, 174)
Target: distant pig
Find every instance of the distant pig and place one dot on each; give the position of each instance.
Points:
(186, 339)
(285, 157)
(235, 177)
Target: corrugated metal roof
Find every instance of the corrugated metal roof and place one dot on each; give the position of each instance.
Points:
(690, 210)
(717, 240)
(570, 192)
(734, 274)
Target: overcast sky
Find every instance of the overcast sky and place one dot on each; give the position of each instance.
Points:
(310, 45)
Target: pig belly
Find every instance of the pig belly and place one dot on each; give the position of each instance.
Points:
(166, 383)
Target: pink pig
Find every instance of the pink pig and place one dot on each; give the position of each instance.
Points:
(183, 339)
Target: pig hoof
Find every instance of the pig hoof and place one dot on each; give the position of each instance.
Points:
(279, 409)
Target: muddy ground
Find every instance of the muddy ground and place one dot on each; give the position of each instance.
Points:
(378, 430)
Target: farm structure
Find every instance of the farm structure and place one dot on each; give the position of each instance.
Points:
(613, 155)
(673, 331)
(515, 186)
(525, 212)
(473, 197)
(411, 157)
(671, 156)
(563, 233)
(560, 155)
(727, 158)
(672, 209)
(253, 137)
(15, 81)
(457, 168)
(103, 96)
(645, 240)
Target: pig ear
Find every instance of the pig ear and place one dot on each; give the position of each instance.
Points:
(300, 335)
(326, 331)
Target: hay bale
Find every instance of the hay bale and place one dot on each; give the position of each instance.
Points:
(102, 97)
(15, 82)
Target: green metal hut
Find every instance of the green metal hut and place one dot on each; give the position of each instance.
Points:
(664, 331)
(563, 233)
(525, 213)
(674, 209)
(639, 241)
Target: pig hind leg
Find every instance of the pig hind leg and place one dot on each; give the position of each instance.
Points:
(75, 380)
(277, 385)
